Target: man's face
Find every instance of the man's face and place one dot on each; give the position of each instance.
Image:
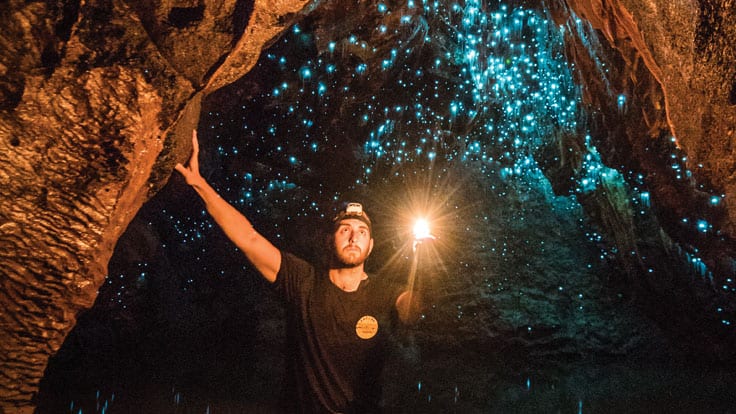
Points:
(353, 242)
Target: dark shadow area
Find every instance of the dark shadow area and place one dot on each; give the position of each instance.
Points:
(166, 325)
(181, 17)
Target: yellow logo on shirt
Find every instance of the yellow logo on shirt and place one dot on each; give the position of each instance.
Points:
(367, 327)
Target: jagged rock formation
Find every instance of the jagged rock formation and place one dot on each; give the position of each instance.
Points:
(94, 97)
(98, 99)
(676, 70)
(672, 65)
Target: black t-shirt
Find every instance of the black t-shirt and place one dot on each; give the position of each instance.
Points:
(336, 339)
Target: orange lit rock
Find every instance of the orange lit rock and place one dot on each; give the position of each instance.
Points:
(97, 100)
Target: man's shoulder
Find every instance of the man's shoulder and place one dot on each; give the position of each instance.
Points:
(294, 267)
(296, 278)
(289, 258)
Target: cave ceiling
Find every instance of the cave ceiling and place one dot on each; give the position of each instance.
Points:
(97, 101)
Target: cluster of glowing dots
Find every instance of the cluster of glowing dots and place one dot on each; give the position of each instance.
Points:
(512, 90)
(496, 93)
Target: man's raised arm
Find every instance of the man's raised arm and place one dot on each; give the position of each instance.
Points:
(260, 252)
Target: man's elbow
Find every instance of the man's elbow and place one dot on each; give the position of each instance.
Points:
(409, 308)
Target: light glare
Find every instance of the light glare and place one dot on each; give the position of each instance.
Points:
(421, 230)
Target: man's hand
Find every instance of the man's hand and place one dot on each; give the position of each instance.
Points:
(191, 171)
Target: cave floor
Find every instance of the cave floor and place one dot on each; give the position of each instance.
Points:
(447, 385)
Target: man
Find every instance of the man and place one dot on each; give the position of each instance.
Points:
(337, 318)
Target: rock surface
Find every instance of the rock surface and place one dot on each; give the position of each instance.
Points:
(97, 102)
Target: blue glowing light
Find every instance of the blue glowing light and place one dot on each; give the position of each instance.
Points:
(621, 100)
(703, 226)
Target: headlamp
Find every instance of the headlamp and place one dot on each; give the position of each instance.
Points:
(353, 211)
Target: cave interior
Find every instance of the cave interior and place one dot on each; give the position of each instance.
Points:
(582, 263)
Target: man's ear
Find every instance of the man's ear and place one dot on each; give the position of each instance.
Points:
(370, 247)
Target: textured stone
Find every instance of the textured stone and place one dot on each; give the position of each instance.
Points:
(97, 103)
(686, 91)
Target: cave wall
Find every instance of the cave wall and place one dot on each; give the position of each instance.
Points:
(98, 100)
(670, 65)
(658, 87)
(676, 76)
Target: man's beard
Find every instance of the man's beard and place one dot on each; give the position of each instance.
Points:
(350, 258)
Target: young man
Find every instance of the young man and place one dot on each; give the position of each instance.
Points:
(337, 318)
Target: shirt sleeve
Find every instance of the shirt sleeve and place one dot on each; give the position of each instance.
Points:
(293, 274)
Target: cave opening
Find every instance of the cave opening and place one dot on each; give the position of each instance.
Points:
(470, 110)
